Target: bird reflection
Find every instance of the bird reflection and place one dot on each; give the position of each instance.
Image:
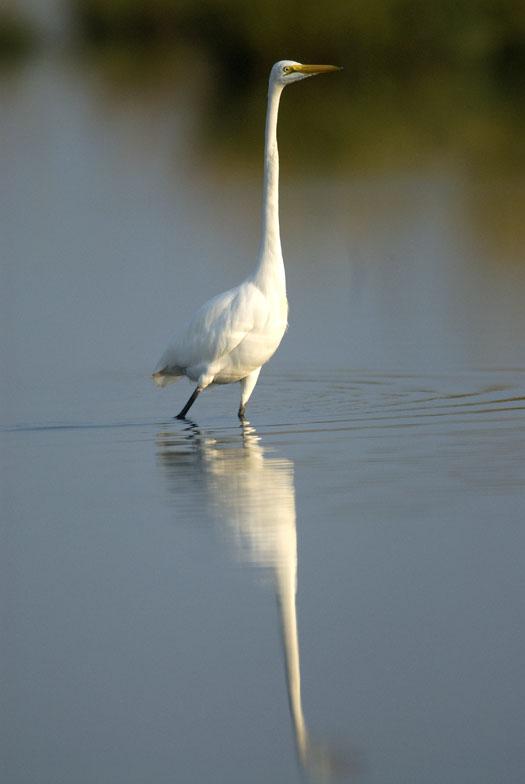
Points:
(251, 491)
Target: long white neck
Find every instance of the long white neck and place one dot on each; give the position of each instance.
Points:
(270, 267)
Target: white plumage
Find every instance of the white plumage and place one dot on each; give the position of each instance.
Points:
(235, 333)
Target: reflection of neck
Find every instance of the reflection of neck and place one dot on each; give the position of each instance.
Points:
(286, 582)
(264, 526)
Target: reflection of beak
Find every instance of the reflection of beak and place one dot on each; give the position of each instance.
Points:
(311, 70)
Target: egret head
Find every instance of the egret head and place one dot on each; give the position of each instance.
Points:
(287, 71)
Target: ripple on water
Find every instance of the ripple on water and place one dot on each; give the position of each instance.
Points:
(353, 401)
(470, 423)
(402, 399)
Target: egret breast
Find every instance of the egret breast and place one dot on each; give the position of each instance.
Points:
(255, 350)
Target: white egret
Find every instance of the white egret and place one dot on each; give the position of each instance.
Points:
(235, 333)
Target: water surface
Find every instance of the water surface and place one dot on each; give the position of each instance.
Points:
(334, 589)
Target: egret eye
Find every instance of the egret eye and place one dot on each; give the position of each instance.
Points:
(287, 69)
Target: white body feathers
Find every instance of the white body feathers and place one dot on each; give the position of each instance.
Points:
(227, 339)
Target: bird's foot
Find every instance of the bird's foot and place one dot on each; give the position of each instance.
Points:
(241, 412)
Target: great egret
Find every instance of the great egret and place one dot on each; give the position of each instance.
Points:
(235, 333)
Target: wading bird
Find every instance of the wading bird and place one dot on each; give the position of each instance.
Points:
(234, 334)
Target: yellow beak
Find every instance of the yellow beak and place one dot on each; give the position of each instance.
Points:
(316, 69)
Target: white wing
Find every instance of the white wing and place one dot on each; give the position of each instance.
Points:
(216, 329)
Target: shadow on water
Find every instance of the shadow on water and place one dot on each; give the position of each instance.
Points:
(251, 491)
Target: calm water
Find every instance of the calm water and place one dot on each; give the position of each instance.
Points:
(149, 567)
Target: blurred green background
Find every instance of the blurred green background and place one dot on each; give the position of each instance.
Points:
(394, 37)
(420, 77)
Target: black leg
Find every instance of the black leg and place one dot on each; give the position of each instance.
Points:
(241, 412)
(191, 401)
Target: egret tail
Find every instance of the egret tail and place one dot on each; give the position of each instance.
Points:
(162, 379)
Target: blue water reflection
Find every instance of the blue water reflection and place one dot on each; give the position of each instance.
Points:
(250, 491)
